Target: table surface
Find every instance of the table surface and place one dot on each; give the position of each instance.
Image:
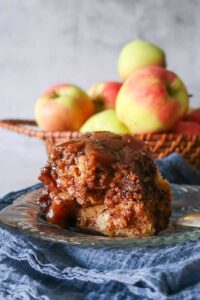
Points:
(21, 159)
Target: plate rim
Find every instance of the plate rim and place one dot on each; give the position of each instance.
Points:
(112, 242)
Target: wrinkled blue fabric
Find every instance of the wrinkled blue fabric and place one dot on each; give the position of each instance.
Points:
(178, 170)
(35, 269)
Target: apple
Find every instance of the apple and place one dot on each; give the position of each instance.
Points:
(152, 99)
(186, 127)
(139, 54)
(103, 94)
(63, 107)
(190, 109)
(193, 115)
(104, 121)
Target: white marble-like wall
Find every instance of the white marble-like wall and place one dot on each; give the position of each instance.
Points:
(78, 41)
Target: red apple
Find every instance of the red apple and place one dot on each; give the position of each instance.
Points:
(194, 115)
(152, 99)
(63, 107)
(103, 94)
(186, 127)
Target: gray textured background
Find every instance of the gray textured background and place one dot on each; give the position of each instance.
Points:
(78, 41)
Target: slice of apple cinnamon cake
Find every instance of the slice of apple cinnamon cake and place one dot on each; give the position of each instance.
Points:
(106, 183)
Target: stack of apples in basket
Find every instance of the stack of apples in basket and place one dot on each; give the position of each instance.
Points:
(148, 99)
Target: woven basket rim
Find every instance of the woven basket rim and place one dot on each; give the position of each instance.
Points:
(20, 126)
(161, 144)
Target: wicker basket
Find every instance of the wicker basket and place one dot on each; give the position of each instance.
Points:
(161, 144)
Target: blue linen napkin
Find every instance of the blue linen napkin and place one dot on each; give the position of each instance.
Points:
(177, 170)
(34, 269)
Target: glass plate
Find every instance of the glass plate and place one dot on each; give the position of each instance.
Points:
(24, 214)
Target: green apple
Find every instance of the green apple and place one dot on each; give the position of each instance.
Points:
(104, 121)
(139, 54)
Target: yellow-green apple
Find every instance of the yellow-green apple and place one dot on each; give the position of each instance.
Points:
(63, 107)
(193, 115)
(103, 94)
(104, 121)
(186, 127)
(152, 99)
(139, 54)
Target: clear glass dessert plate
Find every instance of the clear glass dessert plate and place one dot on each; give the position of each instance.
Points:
(25, 215)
